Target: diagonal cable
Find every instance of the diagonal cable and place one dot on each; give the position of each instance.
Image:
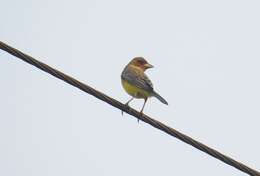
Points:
(200, 146)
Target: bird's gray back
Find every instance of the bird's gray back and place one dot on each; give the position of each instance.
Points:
(137, 77)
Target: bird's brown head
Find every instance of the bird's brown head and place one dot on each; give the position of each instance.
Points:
(141, 63)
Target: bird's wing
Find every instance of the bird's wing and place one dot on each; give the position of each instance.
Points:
(137, 78)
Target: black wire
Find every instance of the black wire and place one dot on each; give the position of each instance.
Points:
(129, 110)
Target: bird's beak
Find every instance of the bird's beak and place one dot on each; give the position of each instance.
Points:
(147, 65)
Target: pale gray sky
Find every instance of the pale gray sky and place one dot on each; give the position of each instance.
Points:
(206, 58)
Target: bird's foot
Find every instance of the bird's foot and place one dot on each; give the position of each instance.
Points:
(141, 114)
(122, 112)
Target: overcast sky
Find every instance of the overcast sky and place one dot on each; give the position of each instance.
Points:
(206, 58)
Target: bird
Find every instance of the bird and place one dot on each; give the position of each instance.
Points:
(137, 84)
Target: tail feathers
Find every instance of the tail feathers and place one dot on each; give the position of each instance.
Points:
(160, 98)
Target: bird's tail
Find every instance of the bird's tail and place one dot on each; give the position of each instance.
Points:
(155, 94)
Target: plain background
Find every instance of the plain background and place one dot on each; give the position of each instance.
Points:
(206, 58)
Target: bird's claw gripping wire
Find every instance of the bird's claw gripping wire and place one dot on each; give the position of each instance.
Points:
(127, 104)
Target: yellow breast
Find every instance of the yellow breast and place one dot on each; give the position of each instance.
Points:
(135, 91)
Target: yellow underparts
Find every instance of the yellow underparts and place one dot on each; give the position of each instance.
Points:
(135, 91)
